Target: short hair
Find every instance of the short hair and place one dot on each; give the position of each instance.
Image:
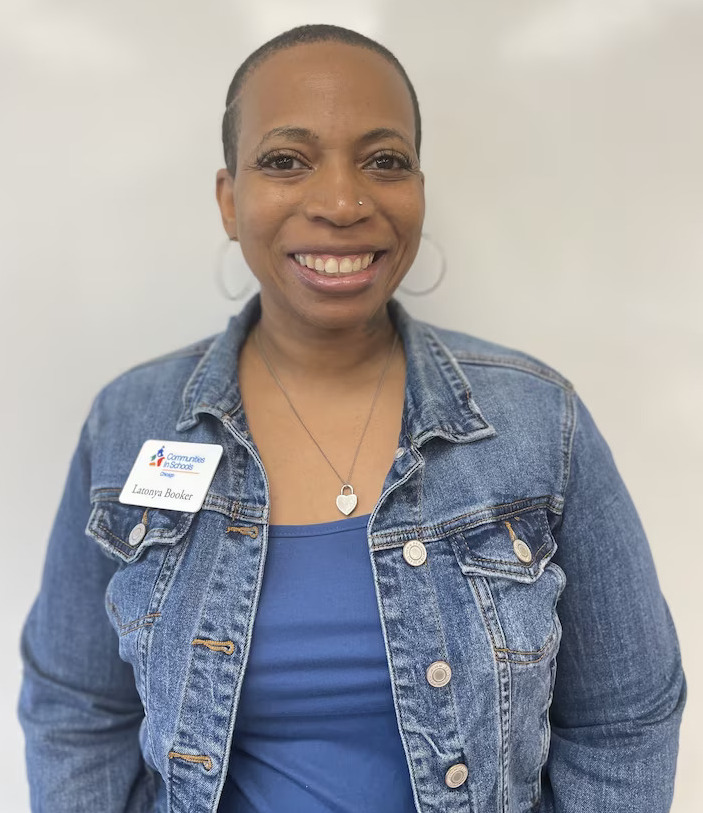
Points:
(301, 35)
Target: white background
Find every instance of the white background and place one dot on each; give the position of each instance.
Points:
(562, 149)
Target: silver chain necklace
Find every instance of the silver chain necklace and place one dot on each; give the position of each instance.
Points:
(346, 503)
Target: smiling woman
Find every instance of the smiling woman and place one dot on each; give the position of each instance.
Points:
(483, 631)
(326, 169)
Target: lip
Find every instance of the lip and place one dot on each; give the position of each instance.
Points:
(343, 284)
(337, 251)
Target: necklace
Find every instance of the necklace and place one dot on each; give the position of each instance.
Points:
(346, 503)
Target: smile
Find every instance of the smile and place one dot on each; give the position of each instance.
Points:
(332, 266)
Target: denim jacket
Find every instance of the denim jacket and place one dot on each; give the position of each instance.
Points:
(504, 543)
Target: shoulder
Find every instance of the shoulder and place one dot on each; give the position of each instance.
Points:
(151, 389)
(479, 357)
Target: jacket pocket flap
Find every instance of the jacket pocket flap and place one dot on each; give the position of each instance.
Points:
(518, 547)
(125, 531)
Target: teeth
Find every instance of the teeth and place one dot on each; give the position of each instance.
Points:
(332, 266)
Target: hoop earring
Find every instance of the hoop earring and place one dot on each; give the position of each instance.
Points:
(230, 268)
(428, 245)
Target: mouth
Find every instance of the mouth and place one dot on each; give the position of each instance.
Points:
(337, 265)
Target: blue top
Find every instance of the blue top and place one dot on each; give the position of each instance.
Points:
(316, 729)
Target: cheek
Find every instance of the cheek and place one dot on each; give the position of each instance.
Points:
(410, 213)
(260, 217)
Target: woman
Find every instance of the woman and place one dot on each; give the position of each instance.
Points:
(254, 656)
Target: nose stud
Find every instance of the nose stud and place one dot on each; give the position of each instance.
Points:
(361, 203)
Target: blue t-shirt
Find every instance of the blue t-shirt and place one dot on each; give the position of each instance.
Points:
(316, 730)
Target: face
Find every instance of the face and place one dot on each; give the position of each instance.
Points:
(322, 127)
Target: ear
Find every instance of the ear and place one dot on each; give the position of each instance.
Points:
(224, 190)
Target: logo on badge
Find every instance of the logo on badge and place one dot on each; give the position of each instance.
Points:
(158, 458)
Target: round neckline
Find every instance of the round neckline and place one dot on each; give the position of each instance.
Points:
(321, 528)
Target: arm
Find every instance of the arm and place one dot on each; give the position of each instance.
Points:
(620, 688)
(79, 706)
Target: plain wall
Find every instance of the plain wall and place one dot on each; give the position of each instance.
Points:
(562, 149)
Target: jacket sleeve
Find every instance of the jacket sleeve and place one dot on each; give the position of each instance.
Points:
(79, 707)
(620, 687)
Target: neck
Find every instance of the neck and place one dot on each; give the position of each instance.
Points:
(303, 348)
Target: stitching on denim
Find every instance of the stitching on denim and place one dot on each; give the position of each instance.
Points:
(505, 692)
(106, 490)
(142, 625)
(102, 527)
(445, 653)
(568, 435)
(473, 580)
(541, 651)
(503, 654)
(156, 533)
(190, 666)
(507, 659)
(439, 528)
(138, 623)
(394, 689)
(202, 759)
(141, 618)
(246, 530)
(420, 492)
(509, 562)
(479, 584)
(215, 646)
(169, 567)
(516, 363)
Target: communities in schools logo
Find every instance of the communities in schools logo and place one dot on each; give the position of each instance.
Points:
(169, 463)
(158, 458)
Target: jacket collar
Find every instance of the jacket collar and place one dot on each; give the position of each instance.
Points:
(438, 400)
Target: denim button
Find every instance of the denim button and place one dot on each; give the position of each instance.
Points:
(439, 673)
(522, 551)
(414, 552)
(399, 452)
(137, 534)
(456, 775)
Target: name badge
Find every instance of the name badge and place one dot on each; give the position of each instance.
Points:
(171, 474)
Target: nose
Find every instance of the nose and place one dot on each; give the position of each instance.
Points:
(337, 195)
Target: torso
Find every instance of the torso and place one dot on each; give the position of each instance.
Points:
(303, 487)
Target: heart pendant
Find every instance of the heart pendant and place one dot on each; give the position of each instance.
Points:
(346, 502)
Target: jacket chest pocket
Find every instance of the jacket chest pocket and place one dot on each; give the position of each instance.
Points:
(508, 563)
(149, 544)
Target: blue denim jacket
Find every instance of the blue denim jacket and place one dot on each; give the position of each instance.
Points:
(532, 579)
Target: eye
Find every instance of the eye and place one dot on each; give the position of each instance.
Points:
(277, 161)
(390, 161)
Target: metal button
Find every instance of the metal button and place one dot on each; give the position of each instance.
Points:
(399, 452)
(439, 673)
(137, 534)
(522, 551)
(414, 552)
(456, 775)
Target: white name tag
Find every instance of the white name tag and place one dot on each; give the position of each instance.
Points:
(171, 474)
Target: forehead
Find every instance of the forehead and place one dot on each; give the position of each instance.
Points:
(325, 86)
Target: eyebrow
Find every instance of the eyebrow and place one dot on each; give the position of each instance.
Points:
(303, 134)
(385, 132)
(290, 134)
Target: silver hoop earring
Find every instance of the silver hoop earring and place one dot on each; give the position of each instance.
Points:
(431, 255)
(232, 274)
